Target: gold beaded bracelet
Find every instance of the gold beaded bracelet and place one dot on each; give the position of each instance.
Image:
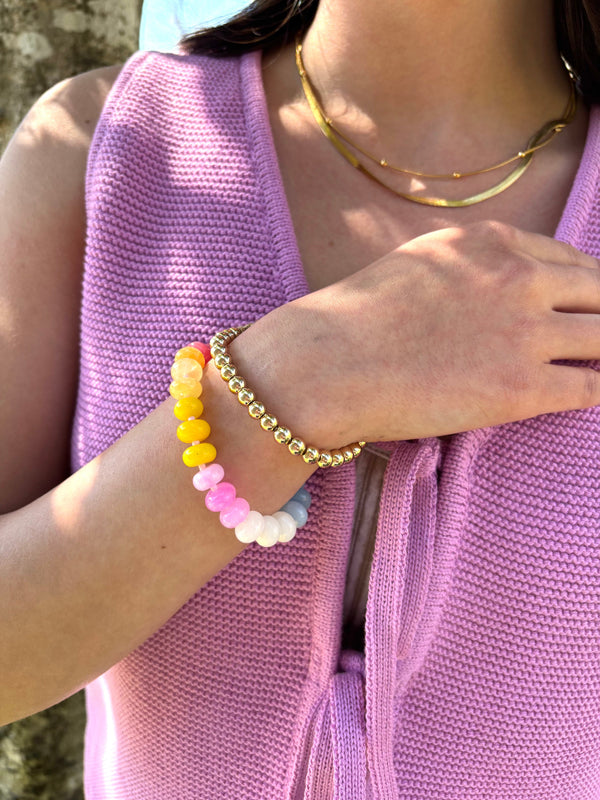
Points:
(268, 422)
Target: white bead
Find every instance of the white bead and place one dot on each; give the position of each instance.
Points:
(270, 533)
(248, 530)
(287, 526)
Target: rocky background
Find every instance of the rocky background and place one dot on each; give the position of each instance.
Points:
(41, 43)
(44, 41)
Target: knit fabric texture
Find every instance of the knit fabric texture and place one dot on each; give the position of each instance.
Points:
(481, 671)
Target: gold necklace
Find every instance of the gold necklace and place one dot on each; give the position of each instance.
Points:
(540, 139)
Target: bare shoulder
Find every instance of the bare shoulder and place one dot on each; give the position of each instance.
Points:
(69, 111)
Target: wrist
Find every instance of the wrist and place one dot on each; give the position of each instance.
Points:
(290, 387)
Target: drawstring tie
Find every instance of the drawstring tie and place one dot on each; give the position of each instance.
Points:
(346, 744)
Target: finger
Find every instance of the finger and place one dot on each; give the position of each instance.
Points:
(573, 337)
(567, 388)
(554, 251)
(573, 289)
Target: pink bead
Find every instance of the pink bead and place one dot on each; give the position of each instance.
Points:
(204, 349)
(221, 497)
(209, 477)
(236, 513)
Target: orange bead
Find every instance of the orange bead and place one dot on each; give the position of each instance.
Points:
(186, 388)
(199, 454)
(186, 369)
(188, 407)
(191, 352)
(195, 430)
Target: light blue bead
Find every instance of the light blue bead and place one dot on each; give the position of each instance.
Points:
(297, 511)
(303, 496)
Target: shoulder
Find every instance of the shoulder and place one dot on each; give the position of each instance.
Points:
(68, 112)
(48, 153)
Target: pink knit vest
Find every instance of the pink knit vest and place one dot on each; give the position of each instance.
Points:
(481, 673)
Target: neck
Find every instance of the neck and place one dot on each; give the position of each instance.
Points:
(429, 71)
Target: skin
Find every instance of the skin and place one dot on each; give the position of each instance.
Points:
(482, 306)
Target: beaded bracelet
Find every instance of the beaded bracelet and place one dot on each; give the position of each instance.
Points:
(268, 422)
(234, 512)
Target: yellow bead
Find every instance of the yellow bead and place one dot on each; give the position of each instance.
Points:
(186, 388)
(186, 369)
(194, 430)
(188, 407)
(191, 352)
(199, 454)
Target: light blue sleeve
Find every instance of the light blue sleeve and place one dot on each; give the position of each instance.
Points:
(164, 22)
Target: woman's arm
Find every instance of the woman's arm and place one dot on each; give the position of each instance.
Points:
(99, 562)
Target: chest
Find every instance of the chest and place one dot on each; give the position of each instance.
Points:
(343, 221)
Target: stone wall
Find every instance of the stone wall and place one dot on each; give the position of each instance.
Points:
(44, 41)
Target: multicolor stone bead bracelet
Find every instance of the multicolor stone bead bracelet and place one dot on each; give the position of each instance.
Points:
(312, 455)
(234, 512)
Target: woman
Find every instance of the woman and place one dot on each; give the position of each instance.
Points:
(213, 200)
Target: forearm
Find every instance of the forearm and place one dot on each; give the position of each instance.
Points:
(94, 567)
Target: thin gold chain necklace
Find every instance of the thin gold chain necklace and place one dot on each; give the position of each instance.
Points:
(540, 138)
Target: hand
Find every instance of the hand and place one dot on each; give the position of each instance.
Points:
(452, 331)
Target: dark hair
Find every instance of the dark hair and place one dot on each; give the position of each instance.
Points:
(269, 23)
(578, 34)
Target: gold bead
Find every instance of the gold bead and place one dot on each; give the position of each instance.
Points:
(361, 444)
(348, 454)
(296, 447)
(228, 372)
(236, 383)
(338, 458)
(356, 450)
(325, 459)
(216, 350)
(311, 455)
(245, 396)
(282, 435)
(256, 409)
(221, 360)
(268, 422)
